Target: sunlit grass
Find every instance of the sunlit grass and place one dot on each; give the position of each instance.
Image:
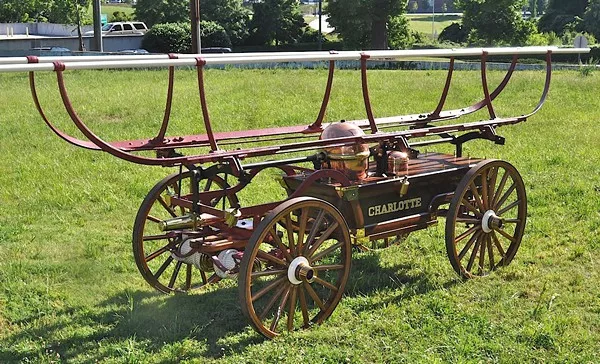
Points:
(69, 289)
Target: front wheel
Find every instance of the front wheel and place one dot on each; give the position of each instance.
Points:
(293, 278)
(486, 219)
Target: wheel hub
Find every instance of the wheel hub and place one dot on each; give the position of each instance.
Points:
(300, 271)
(490, 221)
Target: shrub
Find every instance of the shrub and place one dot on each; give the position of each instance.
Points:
(177, 37)
(455, 33)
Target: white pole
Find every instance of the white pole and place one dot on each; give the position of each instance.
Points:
(433, 20)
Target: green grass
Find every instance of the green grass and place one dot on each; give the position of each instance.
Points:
(110, 9)
(423, 22)
(70, 291)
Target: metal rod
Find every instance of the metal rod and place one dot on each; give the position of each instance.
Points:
(19, 64)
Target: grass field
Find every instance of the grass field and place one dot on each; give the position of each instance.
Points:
(110, 9)
(70, 291)
(423, 22)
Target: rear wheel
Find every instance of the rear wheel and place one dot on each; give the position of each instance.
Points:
(166, 260)
(486, 219)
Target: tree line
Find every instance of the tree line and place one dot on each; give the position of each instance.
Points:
(359, 24)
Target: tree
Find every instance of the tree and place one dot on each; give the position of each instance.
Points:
(278, 21)
(591, 18)
(159, 11)
(413, 6)
(15, 11)
(364, 23)
(230, 14)
(563, 16)
(177, 37)
(495, 22)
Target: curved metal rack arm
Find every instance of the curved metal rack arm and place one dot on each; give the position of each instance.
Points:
(107, 147)
(167, 115)
(436, 113)
(365, 91)
(319, 122)
(66, 137)
(546, 84)
(200, 63)
(484, 84)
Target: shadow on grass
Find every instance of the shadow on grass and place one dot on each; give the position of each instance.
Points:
(156, 320)
(438, 18)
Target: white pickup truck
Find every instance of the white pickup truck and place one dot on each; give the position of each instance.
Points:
(122, 28)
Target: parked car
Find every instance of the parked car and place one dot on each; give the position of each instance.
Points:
(122, 28)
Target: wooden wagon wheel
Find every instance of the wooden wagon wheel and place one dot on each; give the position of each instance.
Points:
(302, 272)
(486, 218)
(156, 252)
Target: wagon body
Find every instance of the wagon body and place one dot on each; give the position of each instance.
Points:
(292, 257)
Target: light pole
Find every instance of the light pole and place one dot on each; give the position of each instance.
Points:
(433, 19)
(320, 22)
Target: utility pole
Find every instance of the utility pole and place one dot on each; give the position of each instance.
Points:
(97, 43)
(195, 20)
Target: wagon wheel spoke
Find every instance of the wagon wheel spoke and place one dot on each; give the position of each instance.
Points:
(289, 226)
(154, 219)
(158, 253)
(315, 228)
(494, 235)
(280, 246)
(280, 309)
(483, 245)
(476, 196)
(468, 220)
(272, 301)
(268, 288)
(508, 208)
(304, 309)
(325, 252)
(292, 310)
(484, 189)
(162, 256)
(291, 284)
(493, 176)
(498, 245)
(471, 208)
(175, 274)
(322, 239)
(473, 254)
(163, 267)
(500, 188)
(469, 244)
(271, 258)
(265, 273)
(505, 197)
(490, 252)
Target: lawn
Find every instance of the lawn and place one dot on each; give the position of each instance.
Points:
(110, 9)
(423, 22)
(70, 290)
